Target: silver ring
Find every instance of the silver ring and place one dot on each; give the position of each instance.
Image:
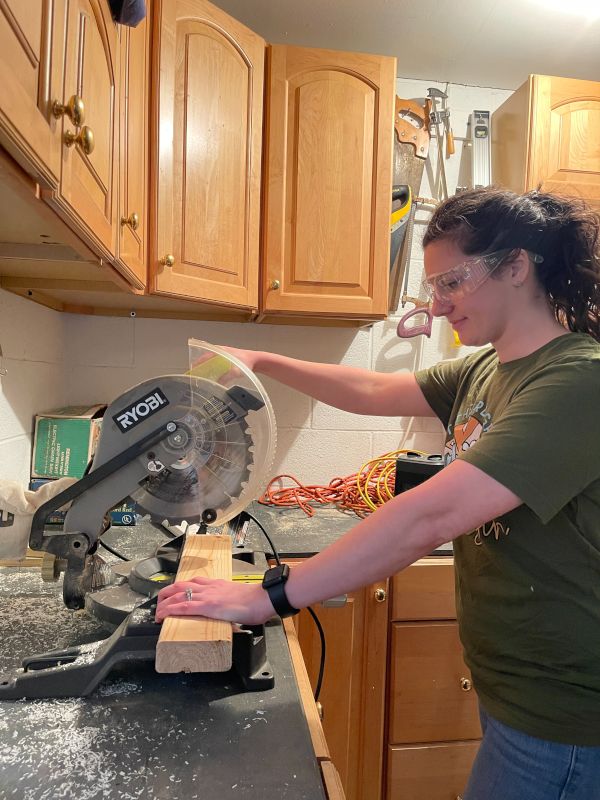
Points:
(188, 594)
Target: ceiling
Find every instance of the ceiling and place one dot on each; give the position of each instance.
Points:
(495, 43)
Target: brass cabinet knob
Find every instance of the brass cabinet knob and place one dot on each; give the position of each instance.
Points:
(85, 139)
(380, 595)
(168, 260)
(465, 684)
(319, 710)
(74, 109)
(133, 220)
(275, 284)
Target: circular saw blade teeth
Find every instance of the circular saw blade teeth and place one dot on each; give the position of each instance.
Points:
(175, 494)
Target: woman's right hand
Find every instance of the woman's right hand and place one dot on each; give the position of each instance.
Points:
(247, 357)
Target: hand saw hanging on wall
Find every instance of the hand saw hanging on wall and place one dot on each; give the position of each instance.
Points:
(411, 148)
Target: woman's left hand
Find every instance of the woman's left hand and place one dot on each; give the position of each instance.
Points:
(233, 601)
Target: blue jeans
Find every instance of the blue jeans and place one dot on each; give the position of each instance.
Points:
(511, 765)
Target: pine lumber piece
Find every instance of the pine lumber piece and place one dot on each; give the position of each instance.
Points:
(198, 644)
(32, 558)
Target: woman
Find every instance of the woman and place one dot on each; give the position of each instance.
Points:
(520, 495)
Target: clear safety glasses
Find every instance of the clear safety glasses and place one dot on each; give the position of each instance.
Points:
(465, 278)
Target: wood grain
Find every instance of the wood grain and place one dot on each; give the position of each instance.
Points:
(198, 644)
(424, 591)
(206, 141)
(306, 693)
(429, 772)
(546, 134)
(327, 182)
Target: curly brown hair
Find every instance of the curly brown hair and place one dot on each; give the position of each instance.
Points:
(564, 230)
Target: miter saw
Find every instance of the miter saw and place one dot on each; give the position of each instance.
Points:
(192, 448)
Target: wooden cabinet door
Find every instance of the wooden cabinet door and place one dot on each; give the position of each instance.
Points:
(431, 697)
(208, 129)
(328, 183)
(133, 151)
(31, 58)
(565, 135)
(87, 198)
(429, 772)
(353, 691)
(424, 591)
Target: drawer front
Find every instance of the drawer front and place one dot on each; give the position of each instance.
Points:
(431, 698)
(429, 772)
(424, 590)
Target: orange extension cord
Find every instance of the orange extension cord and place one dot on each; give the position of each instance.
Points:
(362, 492)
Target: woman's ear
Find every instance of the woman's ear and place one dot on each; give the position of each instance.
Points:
(520, 269)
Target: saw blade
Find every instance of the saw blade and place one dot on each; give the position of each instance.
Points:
(212, 460)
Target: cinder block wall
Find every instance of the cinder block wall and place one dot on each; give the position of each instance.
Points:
(32, 340)
(104, 356)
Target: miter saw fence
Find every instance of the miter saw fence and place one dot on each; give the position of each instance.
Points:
(193, 448)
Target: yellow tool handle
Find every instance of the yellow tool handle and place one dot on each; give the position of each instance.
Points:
(449, 143)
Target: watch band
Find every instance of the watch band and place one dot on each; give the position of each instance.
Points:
(274, 584)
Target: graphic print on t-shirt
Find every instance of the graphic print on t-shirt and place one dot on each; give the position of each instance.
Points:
(472, 420)
(463, 435)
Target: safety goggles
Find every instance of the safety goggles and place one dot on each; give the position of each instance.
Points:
(467, 277)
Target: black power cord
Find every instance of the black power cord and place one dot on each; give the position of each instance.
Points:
(322, 660)
(317, 622)
(267, 537)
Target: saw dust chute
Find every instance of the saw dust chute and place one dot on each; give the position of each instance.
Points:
(217, 459)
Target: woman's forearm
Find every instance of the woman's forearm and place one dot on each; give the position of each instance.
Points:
(399, 533)
(353, 389)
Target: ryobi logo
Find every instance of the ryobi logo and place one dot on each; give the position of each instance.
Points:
(140, 410)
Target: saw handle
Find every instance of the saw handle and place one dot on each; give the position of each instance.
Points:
(415, 330)
(401, 192)
(418, 137)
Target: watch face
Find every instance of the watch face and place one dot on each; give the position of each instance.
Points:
(275, 575)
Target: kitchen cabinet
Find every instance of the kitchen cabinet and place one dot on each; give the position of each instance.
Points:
(546, 134)
(225, 207)
(58, 109)
(134, 96)
(327, 183)
(208, 130)
(399, 713)
(31, 57)
(326, 176)
(87, 196)
(352, 697)
(433, 726)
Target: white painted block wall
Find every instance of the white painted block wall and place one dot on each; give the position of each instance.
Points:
(54, 359)
(32, 339)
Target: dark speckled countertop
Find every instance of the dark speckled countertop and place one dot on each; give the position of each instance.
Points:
(141, 734)
(295, 534)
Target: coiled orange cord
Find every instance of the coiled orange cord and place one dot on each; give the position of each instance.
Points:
(362, 492)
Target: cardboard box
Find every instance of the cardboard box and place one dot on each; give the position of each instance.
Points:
(123, 514)
(65, 440)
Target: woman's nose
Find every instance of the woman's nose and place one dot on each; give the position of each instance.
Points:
(440, 308)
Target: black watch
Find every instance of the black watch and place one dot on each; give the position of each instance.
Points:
(274, 584)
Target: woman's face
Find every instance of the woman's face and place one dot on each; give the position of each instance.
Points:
(479, 316)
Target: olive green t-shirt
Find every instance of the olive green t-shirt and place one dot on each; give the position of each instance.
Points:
(528, 582)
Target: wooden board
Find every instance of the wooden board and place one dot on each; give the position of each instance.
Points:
(198, 644)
